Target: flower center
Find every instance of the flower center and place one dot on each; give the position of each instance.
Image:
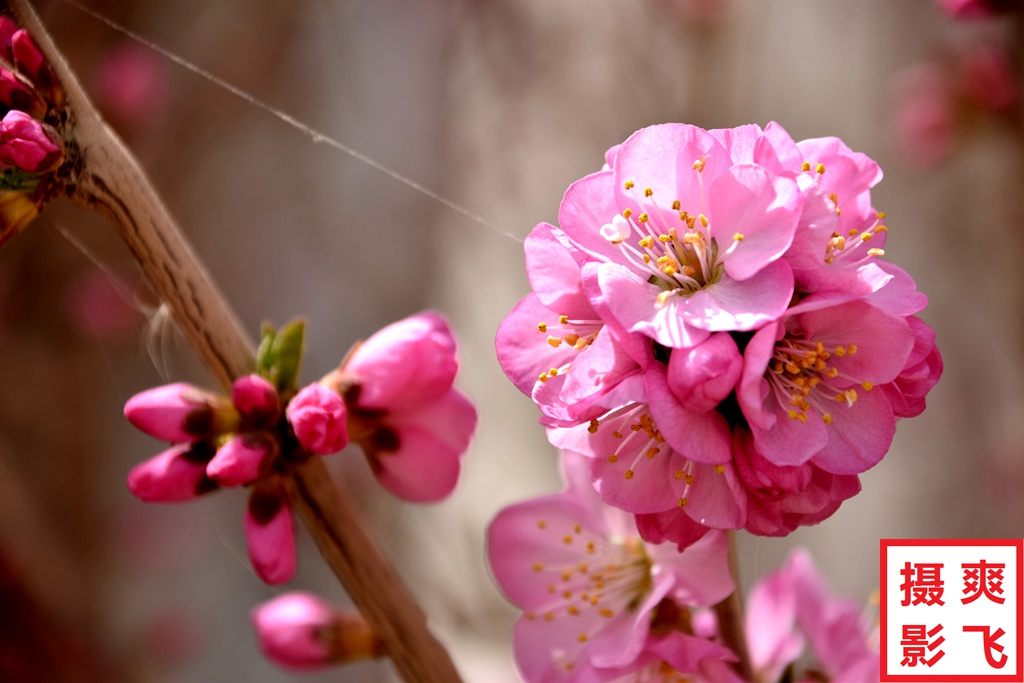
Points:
(577, 334)
(799, 371)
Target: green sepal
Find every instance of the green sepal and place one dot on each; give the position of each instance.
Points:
(265, 354)
(280, 355)
(16, 180)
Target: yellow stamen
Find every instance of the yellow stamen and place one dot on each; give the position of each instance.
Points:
(629, 474)
(628, 184)
(806, 166)
(820, 169)
(648, 192)
(876, 252)
(698, 165)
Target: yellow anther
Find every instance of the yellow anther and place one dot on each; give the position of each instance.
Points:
(698, 165)
(549, 617)
(675, 205)
(594, 424)
(841, 398)
(646, 242)
(832, 372)
(806, 166)
(703, 220)
(689, 480)
(566, 575)
(840, 242)
(629, 474)
(564, 319)
(617, 435)
(819, 169)
(648, 192)
(683, 215)
(543, 377)
(580, 344)
(567, 594)
(851, 349)
(819, 365)
(881, 228)
(853, 232)
(692, 238)
(542, 327)
(881, 215)
(834, 197)
(690, 220)
(792, 369)
(819, 348)
(627, 213)
(628, 184)
(851, 395)
(606, 613)
(635, 428)
(582, 638)
(572, 611)
(642, 218)
(679, 474)
(827, 418)
(840, 351)
(664, 238)
(738, 237)
(613, 458)
(553, 372)
(567, 540)
(802, 417)
(828, 259)
(682, 502)
(689, 271)
(866, 236)
(720, 469)
(530, 616)
(571, 339)
(538, 567)
(652, 452)
(591, 547)
(554, 341)
(792, 414)
(868, 386)
(876, 252)
(541, 524)
(647, 259)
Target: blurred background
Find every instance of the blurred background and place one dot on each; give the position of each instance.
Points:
(497, 105)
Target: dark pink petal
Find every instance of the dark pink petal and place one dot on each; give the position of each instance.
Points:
(729, 304)
(30, 59)
(15, 94)
(753, 387)
(28, 144)
(317, 415)
(715, 498)
(424, 466)
(702, 572)
(256, 399)
(179, 413)
(859, 436)
(789, 441)
(270, 537)
(554, 274)
(238, 461)
(8, 27)
(407, 362)
(700, 377)
(762, 207)
(701, 437)
(672, 526)
(177, 474)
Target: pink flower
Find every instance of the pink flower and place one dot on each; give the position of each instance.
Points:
(175, 475)
(8, 27)
(317, 415)
(922, 371)
(924, 129)
(987, 77)
(29, 144)
(302, 632)
(256, 399)
(180, 413)
(31, 63)
(240, 460)
(270, 534)
(590, 589)
(808, 386)
(132, 84)
(702, 376)
(795, 604)
(404, 412)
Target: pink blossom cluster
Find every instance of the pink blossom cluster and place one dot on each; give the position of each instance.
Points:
(31, 100)
(393, 396)
(940, 102)
(713, 325)
(601, 604)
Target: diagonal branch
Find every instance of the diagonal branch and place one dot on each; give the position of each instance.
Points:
(105, 177)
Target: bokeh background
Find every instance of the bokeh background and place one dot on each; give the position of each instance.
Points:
(497, 105)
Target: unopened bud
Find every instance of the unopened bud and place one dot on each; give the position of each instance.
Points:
(8, 27)
(256, 399)
(16, 94)
(269, 534)
(239, 461)
(302, 632)
(317, 415)
(700, 377)
(31, 63)
(177, 474)
(179, 413)
(28, 144)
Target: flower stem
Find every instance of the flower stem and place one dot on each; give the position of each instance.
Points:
(102, 175)
(730, 616)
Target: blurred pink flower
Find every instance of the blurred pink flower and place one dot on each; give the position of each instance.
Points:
(96, 307)
(987, 77)
(966, 9)
(132, 84)
(317, 415)
(403, 409)
(923, 123)
(302, 632)
(594, 595)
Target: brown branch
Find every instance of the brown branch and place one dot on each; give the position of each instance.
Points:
(106, 177)
(730, 617)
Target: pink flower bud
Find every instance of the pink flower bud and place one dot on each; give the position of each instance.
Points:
(8, 27)
(177, 474)
(256, 399)
(270, 536)
(29, 144)
(238, 461)
(302, 632)
(179, 413)
(317, 415)
(701, 376)
(15, 94)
